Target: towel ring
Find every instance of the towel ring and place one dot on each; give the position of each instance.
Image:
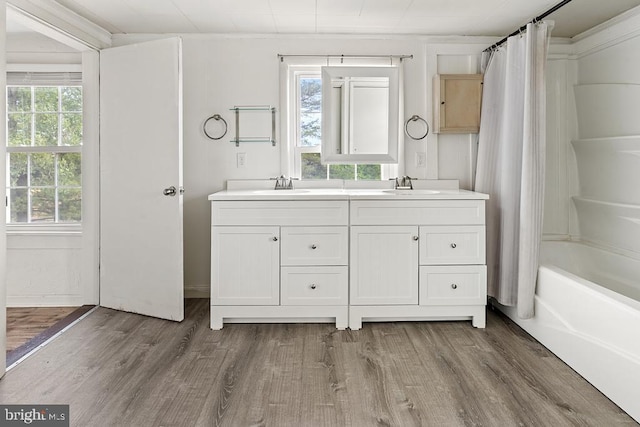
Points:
(415, 118)
(215, 117)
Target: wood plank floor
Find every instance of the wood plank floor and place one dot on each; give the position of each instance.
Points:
(24, 323)
(119, 369)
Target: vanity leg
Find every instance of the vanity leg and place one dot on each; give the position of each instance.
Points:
(355, 321)
(479, 321)
(216, 321)
(342, 321)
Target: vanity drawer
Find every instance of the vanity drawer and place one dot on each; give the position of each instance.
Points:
(285, 212)
(314, 246)
(314, 285)
(452, 245)
(453, 285)
(417, 212)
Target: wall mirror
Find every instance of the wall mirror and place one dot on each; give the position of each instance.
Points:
(360, 107)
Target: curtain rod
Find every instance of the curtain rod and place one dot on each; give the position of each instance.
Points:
(524, 27)
(401, 57)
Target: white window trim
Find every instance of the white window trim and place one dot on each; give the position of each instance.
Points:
(290, 73)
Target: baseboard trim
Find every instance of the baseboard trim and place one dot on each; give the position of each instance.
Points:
(197, 291)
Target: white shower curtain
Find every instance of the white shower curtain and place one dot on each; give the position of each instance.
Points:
(511, 164)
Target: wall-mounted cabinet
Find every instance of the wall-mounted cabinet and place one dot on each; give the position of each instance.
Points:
(457, 98)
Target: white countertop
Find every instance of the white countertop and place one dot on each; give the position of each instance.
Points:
(347, 194)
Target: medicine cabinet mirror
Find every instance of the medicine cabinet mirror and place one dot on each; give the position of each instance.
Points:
(360, 121)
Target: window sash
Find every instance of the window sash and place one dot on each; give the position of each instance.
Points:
(53, 80)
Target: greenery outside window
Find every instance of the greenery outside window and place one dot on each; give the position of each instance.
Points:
(307, 121)
(44, 154)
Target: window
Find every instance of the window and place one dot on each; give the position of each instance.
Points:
(307, 122)
(44, 153)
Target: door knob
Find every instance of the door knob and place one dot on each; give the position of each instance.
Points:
(171, 191)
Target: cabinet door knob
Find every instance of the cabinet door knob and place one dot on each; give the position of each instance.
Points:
(415, 237)
(275, 239)
(313, 246)
(453, 245)
(454, 286)
(313, 286)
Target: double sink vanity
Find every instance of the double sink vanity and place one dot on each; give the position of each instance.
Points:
(346, 255)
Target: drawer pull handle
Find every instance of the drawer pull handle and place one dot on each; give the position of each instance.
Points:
(454, 286)
(275, 239)
(415, 238)
(453, 245)
(314, 246)
(313, 286)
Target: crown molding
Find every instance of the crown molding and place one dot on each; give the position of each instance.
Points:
(59, 23)
(614, 31)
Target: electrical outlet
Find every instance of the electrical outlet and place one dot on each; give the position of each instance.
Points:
(421, 159)
(241, 160)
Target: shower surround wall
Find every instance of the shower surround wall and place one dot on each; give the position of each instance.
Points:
(607, 151)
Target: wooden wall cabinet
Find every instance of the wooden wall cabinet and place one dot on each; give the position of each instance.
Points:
(457, 98)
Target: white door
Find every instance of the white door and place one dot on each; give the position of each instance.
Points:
(141, 265)
(384, 265)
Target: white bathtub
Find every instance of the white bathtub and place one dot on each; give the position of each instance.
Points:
(587, 311)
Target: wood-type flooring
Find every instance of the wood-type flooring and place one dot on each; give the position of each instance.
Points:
(121, 369)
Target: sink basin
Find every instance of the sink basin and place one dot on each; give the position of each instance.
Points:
(412, 192)
(281, 192)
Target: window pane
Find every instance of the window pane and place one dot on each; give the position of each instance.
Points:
(42, 169)
(19, 129)
(311, 168)
(310, 111)
(43, 204)
(18, 169)
(46, 99)
(71, 99)
(69, 170)
(18, 98)
(69, 205)
(369, 172)
(46, 129)
(342, 171)
(71, 129)
(18, 205)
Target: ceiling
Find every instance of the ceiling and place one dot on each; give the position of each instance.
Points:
(424, 17)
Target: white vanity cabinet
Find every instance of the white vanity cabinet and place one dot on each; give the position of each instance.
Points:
(347, 256)
(417, 259)
(279, 261)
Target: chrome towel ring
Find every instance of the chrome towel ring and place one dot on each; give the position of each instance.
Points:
(415, 118)
(216, 117)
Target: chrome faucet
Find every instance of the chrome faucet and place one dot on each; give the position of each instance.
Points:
(404, 183)
(283, 183)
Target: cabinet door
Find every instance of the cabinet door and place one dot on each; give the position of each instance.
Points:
(384, 265)
(245, 265)
(458, 100)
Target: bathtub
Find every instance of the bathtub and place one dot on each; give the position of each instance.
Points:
(587, 312)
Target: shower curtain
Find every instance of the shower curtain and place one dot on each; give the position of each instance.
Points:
(511, 164)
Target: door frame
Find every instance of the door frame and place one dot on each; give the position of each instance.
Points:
(60, 24)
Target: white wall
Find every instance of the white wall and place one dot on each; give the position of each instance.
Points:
(223, 71)
(34, 48)
(220, 72)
